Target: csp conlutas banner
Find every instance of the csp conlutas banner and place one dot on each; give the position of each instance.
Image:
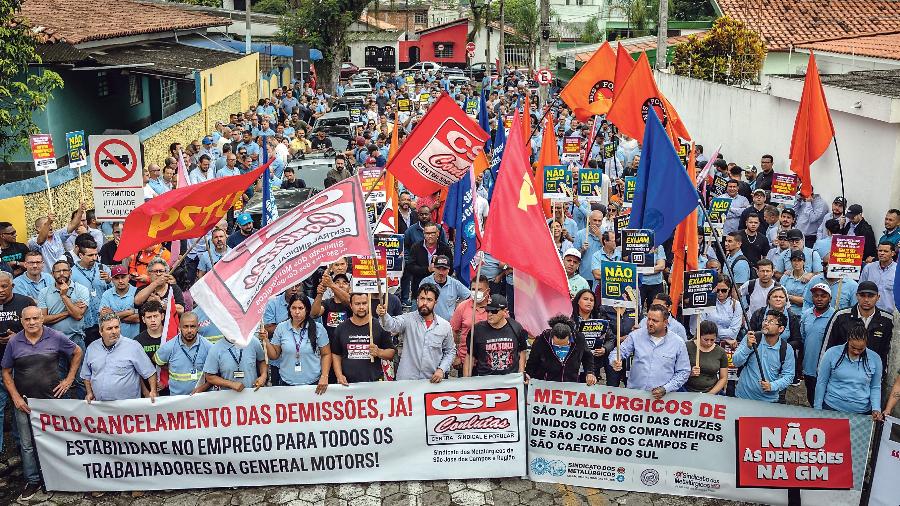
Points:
(694, 445)
(386, 431)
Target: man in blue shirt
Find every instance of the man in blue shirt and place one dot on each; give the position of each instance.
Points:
(452, 290)
(34, 279)
(588, 241)
(213, 254)
(813, 324)
(736, 264)
(94, 276)
(120, 300)
(64, 305)
(230, 367)
(113, 366)
(185, 355)
(777, 374)
(251, 147)
(661, 364)
(796, 241)
(51, 243)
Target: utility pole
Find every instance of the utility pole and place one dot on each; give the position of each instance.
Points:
(662, 28)
(487, 45)
(502, 45)
(545, 46)
(247, 27)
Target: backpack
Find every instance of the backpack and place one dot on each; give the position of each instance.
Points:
(738, 258)
(751, 285)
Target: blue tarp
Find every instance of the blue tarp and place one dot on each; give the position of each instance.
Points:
(268, 48)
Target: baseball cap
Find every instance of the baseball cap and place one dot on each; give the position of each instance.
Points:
(867, 287)
(854, 210)
(340, 276)
(360, 140)
(790, 211)
(573, 253)
(760, 190)
(840, 200)
(497, 303)
(243, 219)
(797, 255)
(441, 262)
(821, 286)
(118, 270)
(782, 234)
(207, 140)
(794, 234)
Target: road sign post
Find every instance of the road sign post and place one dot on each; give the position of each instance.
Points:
(543, 76)
(117, 176)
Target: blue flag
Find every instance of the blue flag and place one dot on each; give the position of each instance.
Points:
(490, 177)
(664, 194)
(459, 213)
(483, 119)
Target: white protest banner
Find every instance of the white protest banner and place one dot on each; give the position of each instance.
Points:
(117, 175)
(885, 485)
(384, 431)
(328, 226)
(687, 444)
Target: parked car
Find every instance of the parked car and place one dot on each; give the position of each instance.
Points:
(335, 123)
(478, 70)
(427, 66)
(285, 200)
(456, 76)
(360, 84)
(348, 69)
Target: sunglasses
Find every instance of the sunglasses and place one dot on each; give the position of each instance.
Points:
(494, 311)
(723, 290)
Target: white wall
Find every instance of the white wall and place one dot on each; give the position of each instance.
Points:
(751, 123)
(829, 63)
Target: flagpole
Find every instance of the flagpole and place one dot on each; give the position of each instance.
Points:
(590, 146)
(837, 153)
(537, 125)
(369, 297)
(467, 367)
(50, 194)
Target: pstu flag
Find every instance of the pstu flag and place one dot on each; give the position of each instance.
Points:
(459, 213)
(590, 91)
(813, 129)
(440, 149)
(329, 226)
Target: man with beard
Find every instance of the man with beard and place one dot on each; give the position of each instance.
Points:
(244, 230)
(499, 344)
(406, 217)
(354, 357)
(218, 250)
(94, 276)
(185, 355)
(422, 252)
(420, 331)
(64, 305)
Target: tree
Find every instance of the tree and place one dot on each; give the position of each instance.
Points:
(523, 16)
(692, 10)
(276, 7)
(22, 91)
(730, 53)
(322, 24)
(479, 9)
(590, 32)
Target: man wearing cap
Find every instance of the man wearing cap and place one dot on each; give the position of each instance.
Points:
(797, 242)
(245, 229)
(756, 208)
(750, 175)
(879, 323)
(119, 300)
(452, 290)
(813, 324)
(811, 211)
(571, 263)
(882, 274)
(499, 344)
(209, 149)
(891, 227)
(785, 222)
(838, 207)
(779, 246)
(858, 226)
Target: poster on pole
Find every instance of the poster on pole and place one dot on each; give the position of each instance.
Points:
(117, 175)
(618, 284)
(76, 146)
(472, 106)
(846, 256)
(630, 186)
(558, 182)
(590, 184)
(593, 331)
(373, 185)
(390, 247)
(404, 105)
(369, 432)
(719, 184)
(699, 291)
(718, 209)
(637, 248)
(366, 279)
(42, 152)
(784, 189)
(621, 222)
(571, 150)
(885, 485)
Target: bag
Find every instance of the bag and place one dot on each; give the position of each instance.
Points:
(752, 269)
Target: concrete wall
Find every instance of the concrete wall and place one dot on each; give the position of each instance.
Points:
(751, 123)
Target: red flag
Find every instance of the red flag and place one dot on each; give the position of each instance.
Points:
(181, 181)
(439, 150)
(183, 213)
(516, 213)
(549, 155)
(685, 246)
(390, 184)
(813, 129)
(526, 130)
(624, 65)
(639, 93)
(590, 91)
(170, 330)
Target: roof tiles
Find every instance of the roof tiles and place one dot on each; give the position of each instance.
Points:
(875, 46)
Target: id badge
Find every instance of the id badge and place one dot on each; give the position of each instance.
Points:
(93, 293)
(238, 374)
(298, 368)
(194, 375)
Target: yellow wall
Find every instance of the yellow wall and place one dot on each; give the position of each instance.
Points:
(66, 198)
(221, 82)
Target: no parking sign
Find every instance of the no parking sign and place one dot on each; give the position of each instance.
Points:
(116, 174)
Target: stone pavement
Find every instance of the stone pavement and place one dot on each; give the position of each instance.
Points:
(510, 491)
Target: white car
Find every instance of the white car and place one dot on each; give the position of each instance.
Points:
(428, 66)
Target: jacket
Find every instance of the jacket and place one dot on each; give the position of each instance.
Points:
(865, 230)
(543, 363)
(880, 331)
(794, 338)
(418, 261)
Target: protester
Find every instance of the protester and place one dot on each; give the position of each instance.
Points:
(768, 365)
(422, 252)
(727, 313)
(360, 344)
(461, 321)
(736, 264)
(756, 291)
(119, 300)
(11, 251)
(571, 264)
(710, 375)
(94, 276)
(228, 367)
(300, 363)
(858, 226)
(558, 354)
(214, 252)
(849, 377)
(660, 363)
(674, 325)
(34, 279)
(185, 355)
(891, 228)
(608, 253)
(754, 244)
(428, 346)
(160, 288)
(588, 241)
(64, 306)
(452, 290)
(879, 324)
(244, 230)
(113, 366)
(499, 343)
(882, 274)
(795, 281)
(813, 325)
(51, 243)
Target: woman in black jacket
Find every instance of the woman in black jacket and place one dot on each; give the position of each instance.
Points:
(559, 353)
(778, 300)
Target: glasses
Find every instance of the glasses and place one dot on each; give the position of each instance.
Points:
(723, 290)
(494, 311)
(157, 271)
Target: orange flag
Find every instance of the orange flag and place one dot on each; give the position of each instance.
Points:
(590, 90)
(624, 64)
(685, 245)
(548, 156)
(390, 184)
(813, 129)
(638, 94)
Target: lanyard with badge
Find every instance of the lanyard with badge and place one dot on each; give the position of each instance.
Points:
(194, 375)
(297, 366)
(238, 374)
(93, 279)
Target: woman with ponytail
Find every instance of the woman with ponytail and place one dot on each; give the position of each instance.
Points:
(849, 377)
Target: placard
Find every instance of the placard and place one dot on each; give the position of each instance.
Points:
(885, 485)
(718, 209)
(571, 150)
(373, 185)
(637, 248)
(593, 330)
(699, 291)
(76, 145)
(557, 180)
(719, 185)
(424, 98)
(621, 223)
(845, 259)
(42, 152)
(630, 187)
(590, 184)
(365, 278)
(784, 188)
(618, 284)
(472, 106)
(404, 105)
(392, 245)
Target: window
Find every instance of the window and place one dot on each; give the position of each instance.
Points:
(135, 89)
(443, 50)
(169, 94)
(420, 18)
(102, 84)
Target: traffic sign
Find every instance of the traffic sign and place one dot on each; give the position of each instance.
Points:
(543, 76)
(470, 47)
(440, 47)
(42, 152)
(116, 175)
(470, 54)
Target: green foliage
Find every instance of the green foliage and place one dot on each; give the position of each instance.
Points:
(730, 53)
(277, 7)
(691, 10)
(21, 91)
(524, 17)
(590, 32)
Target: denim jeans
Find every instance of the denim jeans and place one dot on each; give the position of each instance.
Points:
(77, 391)
(30, 464)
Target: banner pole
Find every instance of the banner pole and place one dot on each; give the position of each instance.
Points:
(50, 194)
(467, 366)
(182, 257)
(371, 341)
(837, 154)
(619, 312)
(837, 298)
(697, 338)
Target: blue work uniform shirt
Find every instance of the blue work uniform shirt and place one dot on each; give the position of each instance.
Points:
(117, 303)
(90, 279)
(297, 353)
(225, 359)
(185, 363)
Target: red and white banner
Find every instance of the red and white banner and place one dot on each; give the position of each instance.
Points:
(439, 150)
(329, 226)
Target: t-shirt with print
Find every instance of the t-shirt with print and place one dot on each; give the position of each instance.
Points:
(150, 344)
(351, 342)
(496, 351)
(11, 316)
(333, 315)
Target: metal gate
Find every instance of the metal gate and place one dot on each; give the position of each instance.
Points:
(382, 58)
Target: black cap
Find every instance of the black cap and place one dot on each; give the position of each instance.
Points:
(782, 234)
(340, 276)
(441, 261)
(841, 201)
(790, 211)
(867, 287)
(497, 303)
(854, 210)
(797, 255)
(794, 234)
